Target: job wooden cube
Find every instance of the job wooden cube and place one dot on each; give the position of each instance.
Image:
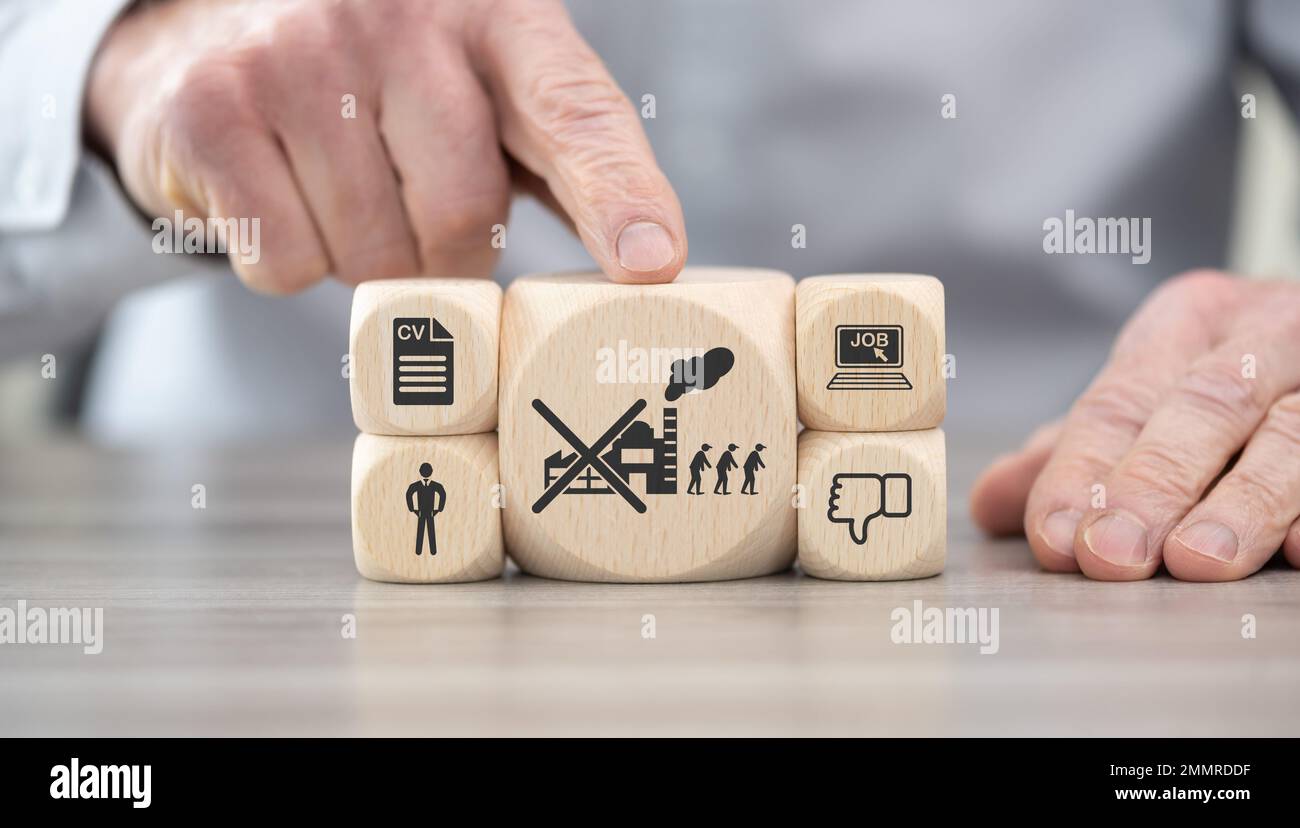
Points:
(873, 506)
(424, 356)
(648, 433)
(427, 509)
(871, 352)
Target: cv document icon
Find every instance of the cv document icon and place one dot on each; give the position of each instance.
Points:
(423, 366)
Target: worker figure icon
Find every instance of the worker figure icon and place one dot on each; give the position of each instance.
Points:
(752, 464)
(726, 463)
(425, 498)
(699, 463)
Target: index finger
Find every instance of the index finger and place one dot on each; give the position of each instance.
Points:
(564, 118)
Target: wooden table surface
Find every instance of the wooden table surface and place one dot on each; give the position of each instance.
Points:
(228, 621)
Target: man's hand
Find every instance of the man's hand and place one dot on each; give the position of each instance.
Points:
(236, 109)
(1186, 448)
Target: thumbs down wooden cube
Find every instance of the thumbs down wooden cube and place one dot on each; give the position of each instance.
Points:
(872, 507)
(424, 356)
(427, 509)
(648, 432)
(871, 351)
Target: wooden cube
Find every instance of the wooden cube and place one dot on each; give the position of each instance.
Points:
(871, 351)
(426, 509)
(648, 432)
(873, 507)
(424, 356)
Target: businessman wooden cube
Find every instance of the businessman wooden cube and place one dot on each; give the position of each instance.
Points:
(871, 351)
(424, 356)
(426, 509)
(873, 507)
(648, 433)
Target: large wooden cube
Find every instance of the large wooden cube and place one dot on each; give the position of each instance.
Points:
(648, 433)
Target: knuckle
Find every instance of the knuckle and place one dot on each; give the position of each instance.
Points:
(1163, 469)
(525, 10)
(308, 29)
(1070, 477)
(459, 112)
(1070, 482)
(463, 114)
(299, 42)
(464, 223)
(211, 97)
(1126, 406)
(239, 189)
(1284, 419)
(619, 179)
(1217, 389)
(576, 111)
(1081, 469)
(519, 19)
(1263, 495)
(258, 58)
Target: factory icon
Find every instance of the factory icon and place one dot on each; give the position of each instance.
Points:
(629, 456)
(638, 457)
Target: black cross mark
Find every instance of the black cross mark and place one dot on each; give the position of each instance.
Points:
(589, 456)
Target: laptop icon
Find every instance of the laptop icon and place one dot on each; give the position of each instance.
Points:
(873, 347)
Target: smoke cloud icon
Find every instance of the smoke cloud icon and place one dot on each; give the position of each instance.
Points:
(701, 372)
(857, 498)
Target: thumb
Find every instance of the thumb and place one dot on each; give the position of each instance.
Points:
(564, 119)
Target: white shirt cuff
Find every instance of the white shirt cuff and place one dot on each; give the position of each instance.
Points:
(46, 47)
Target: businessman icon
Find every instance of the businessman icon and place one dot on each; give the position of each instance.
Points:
(425, 498)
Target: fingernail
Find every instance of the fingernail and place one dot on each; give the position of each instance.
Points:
(1213, 540)
(1058, 531)
(1117, 539)
(644, 246)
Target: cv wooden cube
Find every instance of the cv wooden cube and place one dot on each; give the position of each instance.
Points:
(871, 352)
(427, 509)
(873, 506)
(424, 356)
(648, 433)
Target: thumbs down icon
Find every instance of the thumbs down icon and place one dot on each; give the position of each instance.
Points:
(857, 498)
